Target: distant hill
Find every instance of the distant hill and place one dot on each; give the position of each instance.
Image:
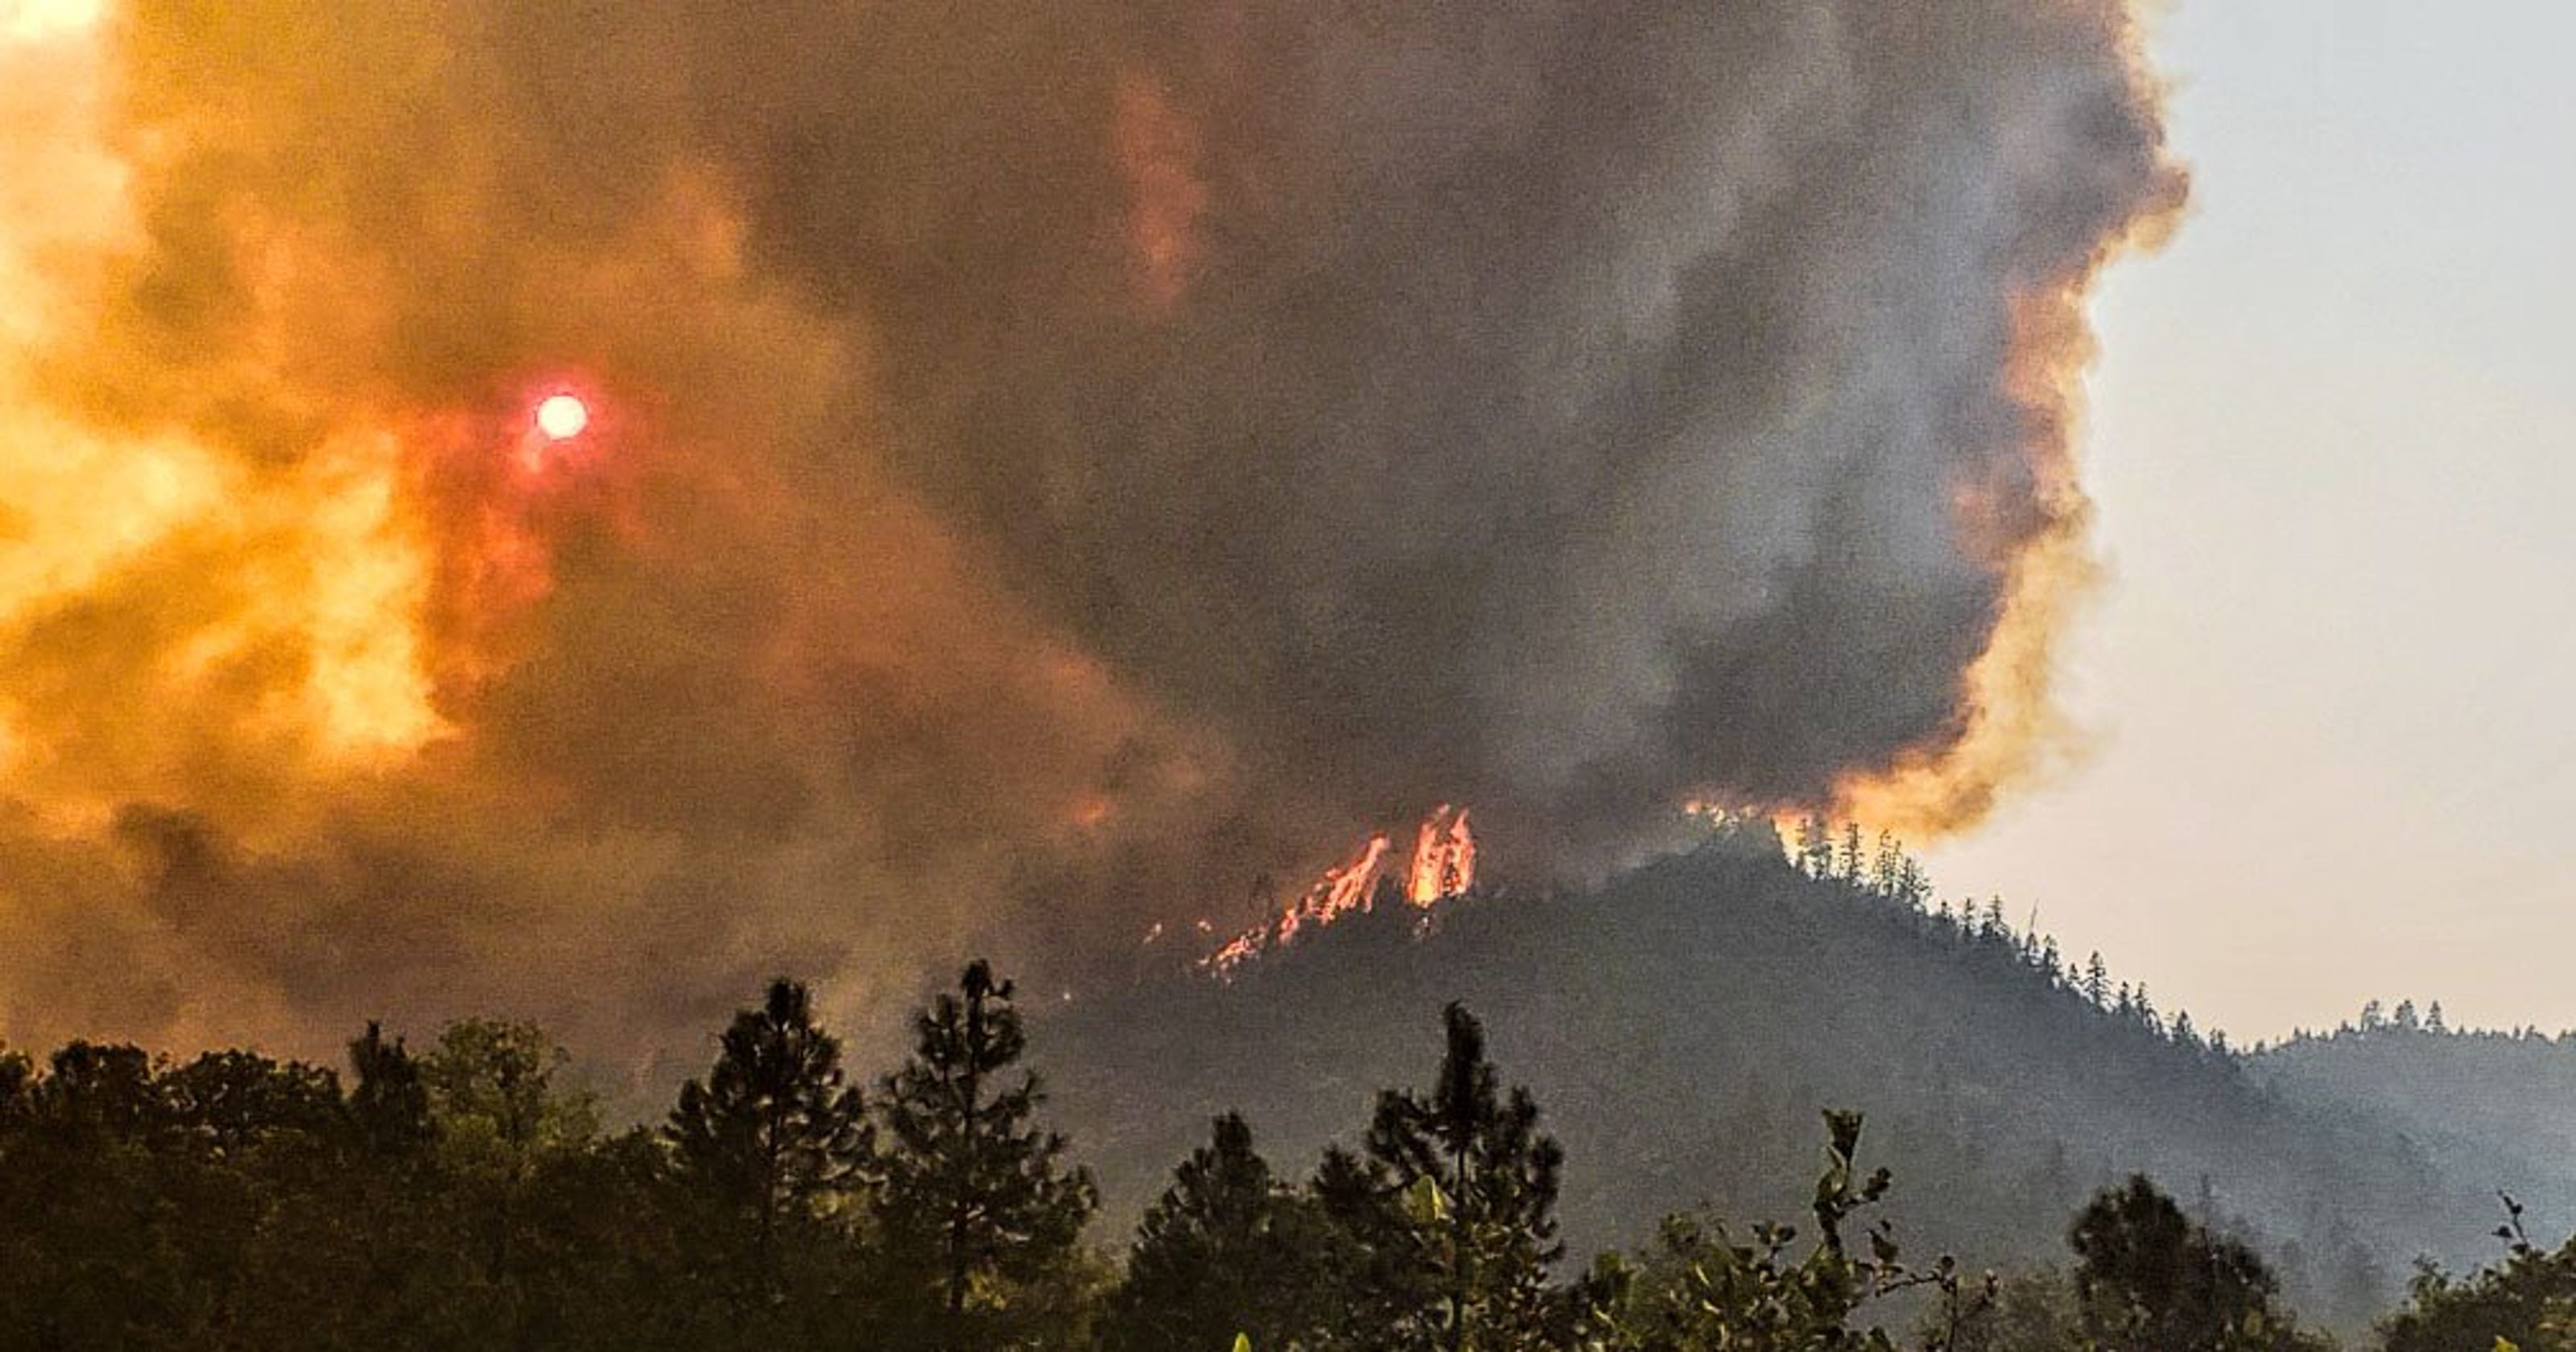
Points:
(2494, 1108)
(1682, 1026)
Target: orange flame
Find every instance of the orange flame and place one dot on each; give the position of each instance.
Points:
(1444, 858)
(1343, 890)
(1237, 951)
(1443, 866)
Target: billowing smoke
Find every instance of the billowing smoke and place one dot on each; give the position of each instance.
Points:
(1054, 468)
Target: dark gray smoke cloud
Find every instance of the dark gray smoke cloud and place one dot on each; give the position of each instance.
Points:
(1060, 465)
(1564, 406)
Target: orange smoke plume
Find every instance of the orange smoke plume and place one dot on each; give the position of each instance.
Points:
(1031, 479)
(2027, 520)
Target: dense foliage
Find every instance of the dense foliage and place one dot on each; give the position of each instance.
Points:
(2527, 1303)
(466, 1194)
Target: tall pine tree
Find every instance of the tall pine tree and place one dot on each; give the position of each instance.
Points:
(389, 1107)
(772, 1139)
(1458, 1189)
(2097, 981)
(979, 1215)
(1227, 1250)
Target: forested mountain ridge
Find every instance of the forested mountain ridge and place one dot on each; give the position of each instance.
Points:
(2490, 1105)
(1682, 1024)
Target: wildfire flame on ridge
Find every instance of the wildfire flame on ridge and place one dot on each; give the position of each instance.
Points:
(1443, 866)
(1444, 858)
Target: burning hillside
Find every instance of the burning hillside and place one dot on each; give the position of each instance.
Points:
(1442, 865)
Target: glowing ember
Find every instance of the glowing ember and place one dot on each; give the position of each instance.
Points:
(1344, 889)
(562, 416)
(1237, 951)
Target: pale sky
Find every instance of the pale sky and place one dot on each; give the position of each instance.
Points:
(2331, 442)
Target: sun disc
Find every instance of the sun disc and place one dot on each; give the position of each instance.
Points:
(562, 415)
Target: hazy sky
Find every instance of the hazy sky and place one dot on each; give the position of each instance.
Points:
(2331, 435)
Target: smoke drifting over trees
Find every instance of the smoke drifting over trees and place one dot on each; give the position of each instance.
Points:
(1051, 469)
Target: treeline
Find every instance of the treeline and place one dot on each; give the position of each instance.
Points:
(1885, 872)
(2377, 1019)
(464, 1196)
